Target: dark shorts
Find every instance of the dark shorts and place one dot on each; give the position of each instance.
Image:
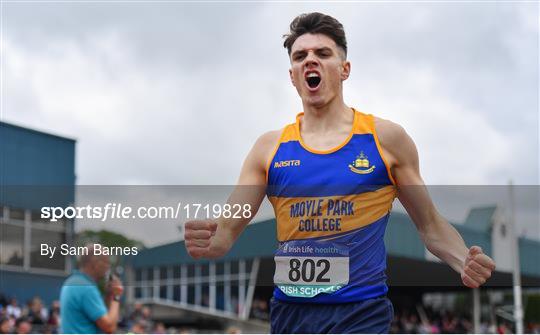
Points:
(369, 316)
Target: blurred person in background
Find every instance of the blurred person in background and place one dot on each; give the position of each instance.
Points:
(504, 328)
(13, 309)
(233, 330)
(54, 315)
(533, 328)
(6, 326)
(135, 314)
(37, 313)
(146, 318)
(160, 328)
(23, 326)
(83, 308)
(260, 309)
(139, 327)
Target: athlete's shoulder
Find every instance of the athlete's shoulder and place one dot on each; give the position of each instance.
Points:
(268, 140)
(390, 133)
(269, 137)
(264, 147)
(396, 143)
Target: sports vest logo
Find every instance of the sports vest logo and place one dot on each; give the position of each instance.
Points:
(293, 162)
(361, 165)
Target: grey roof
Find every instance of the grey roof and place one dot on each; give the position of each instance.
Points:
(480, 218)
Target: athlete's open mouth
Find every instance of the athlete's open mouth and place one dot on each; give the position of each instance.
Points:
(313, 79)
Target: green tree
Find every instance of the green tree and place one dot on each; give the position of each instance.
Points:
(532, 311)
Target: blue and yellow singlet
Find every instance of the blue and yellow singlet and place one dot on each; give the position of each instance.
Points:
(331, 209)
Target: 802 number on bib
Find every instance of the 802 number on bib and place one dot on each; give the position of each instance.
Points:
(309, 270)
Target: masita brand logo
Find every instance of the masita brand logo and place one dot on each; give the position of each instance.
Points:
(293, 162)
(361, 165)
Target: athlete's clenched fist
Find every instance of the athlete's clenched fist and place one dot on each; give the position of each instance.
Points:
(477, 268)
(198, 236)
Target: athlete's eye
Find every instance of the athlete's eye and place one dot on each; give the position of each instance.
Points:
(298, 57)
(325, 53)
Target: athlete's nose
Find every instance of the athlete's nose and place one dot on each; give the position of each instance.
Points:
(311, 64)
(310, 61)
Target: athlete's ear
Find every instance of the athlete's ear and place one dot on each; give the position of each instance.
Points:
(292, 78)
(345, 70)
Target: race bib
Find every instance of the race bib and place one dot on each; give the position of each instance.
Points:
(307, 268)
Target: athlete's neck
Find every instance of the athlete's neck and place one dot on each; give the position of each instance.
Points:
(327, 119)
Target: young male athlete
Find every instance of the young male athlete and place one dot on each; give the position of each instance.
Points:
(332, 177)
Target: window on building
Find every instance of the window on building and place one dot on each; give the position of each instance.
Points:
(11, 244)
(138, 293)
(205, 295)
(234, 267)
(148, 291)
(205, 270)
(220, 269)
(163, 273)
(177, 293)
(177, 271)
(42, 236)
(150, 274)
(249, 264)
(35, 217)
(234, 303)
(163, 292)
(138, 275)
(16, 213)
(191, 270)
(191, 295)
(220, 296)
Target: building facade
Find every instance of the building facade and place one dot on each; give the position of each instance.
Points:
(37, 169)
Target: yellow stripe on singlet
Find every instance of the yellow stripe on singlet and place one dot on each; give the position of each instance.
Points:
(368, 207)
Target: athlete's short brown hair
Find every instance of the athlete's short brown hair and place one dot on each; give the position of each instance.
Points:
(316, 23)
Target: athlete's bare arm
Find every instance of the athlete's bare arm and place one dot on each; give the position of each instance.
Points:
(440, 237)
(214, 238)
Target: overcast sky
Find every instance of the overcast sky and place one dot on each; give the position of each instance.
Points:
(177, 93)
